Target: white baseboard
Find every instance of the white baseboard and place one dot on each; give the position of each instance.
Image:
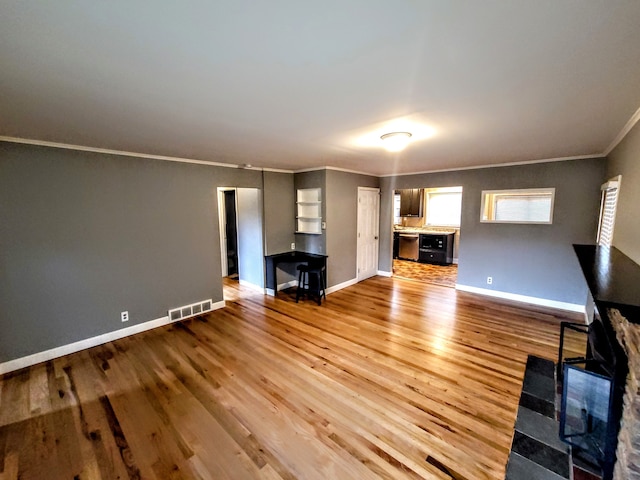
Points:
(572, 307)
(63, 350)
(382, 273)
(282, 286)
(252, 286)
(342, 285)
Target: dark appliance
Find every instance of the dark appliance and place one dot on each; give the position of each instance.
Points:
(408, 246)
(436, 248)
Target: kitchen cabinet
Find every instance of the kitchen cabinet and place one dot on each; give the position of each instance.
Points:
(436, 248)
(396, 244)
(411, 200)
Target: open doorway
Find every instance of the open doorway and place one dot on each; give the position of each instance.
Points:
(228, 232)
(426, 234)
(241, 240)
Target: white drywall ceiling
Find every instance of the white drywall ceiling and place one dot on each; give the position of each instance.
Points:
(299, 84)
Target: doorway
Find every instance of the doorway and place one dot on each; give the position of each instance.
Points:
(368, 225)
(435, 230)
(228, 233)
(241, 238)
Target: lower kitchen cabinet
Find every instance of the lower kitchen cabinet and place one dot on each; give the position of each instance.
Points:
(436, 248)
(396, 244)
(433, 257)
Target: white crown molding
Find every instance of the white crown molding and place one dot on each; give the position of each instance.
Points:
(276, 170)
(337, 169)
(498, 165)
(623, 133)
(312, 169)
(107, 151)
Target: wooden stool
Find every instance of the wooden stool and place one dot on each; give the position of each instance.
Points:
(311, 281)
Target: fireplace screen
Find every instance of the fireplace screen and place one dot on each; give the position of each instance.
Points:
(586, 410)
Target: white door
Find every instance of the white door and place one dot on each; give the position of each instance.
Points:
(368, 221)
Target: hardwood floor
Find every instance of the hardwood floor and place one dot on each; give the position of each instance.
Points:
(444, 275)
(383, 376)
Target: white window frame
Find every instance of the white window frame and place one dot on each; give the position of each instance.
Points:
(608, 207)
(489, 197)
(397, 219)
(440, 192)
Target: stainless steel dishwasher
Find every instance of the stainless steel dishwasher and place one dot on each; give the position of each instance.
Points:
(408, 247)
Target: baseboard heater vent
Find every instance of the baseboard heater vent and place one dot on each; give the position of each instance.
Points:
(187, 311)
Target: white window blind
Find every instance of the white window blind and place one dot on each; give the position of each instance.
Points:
(396, 209)
(523, 208)
(608, 211)
(444, 208)
(524, 205)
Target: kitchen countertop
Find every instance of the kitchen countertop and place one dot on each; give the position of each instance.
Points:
(423, 230)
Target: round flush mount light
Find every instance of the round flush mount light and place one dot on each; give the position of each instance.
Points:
(395, 141)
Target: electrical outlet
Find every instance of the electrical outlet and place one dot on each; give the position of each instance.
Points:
(293, 245)
(489, 280)
(124, 316)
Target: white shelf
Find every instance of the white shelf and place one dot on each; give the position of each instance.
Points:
(309, 211)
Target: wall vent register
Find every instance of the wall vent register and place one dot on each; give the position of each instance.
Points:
(192, 310)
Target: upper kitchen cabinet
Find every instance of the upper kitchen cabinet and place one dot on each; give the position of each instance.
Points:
(411, 200)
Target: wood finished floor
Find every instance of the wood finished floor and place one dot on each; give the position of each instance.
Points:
(382, 376)
(445, 275)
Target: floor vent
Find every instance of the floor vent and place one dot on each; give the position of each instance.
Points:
(187, 311)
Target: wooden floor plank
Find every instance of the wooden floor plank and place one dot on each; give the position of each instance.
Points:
(388, 378)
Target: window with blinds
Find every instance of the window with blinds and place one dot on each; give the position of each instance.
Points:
(608, 206)
(531, 205)
(444, 206)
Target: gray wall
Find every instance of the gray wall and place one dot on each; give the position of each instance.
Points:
(279, 212)
(532, 260)
(84, 236)
(306, 242)
(250, 244)
(625, 160)
(342, 223)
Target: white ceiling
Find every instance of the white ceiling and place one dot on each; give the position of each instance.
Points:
(295, 84)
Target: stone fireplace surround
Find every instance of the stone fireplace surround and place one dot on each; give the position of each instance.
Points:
(614, 283)
(628, 450)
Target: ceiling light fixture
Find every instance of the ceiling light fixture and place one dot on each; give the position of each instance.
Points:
(395, 141)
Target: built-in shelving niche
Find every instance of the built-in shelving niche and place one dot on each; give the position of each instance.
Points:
(309, 211)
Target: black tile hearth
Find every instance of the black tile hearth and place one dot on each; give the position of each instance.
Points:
(539, 385)
(520, 468)
(536, 451)
(544, 407)
(540, 365)
(541, 428)
(544, 455)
